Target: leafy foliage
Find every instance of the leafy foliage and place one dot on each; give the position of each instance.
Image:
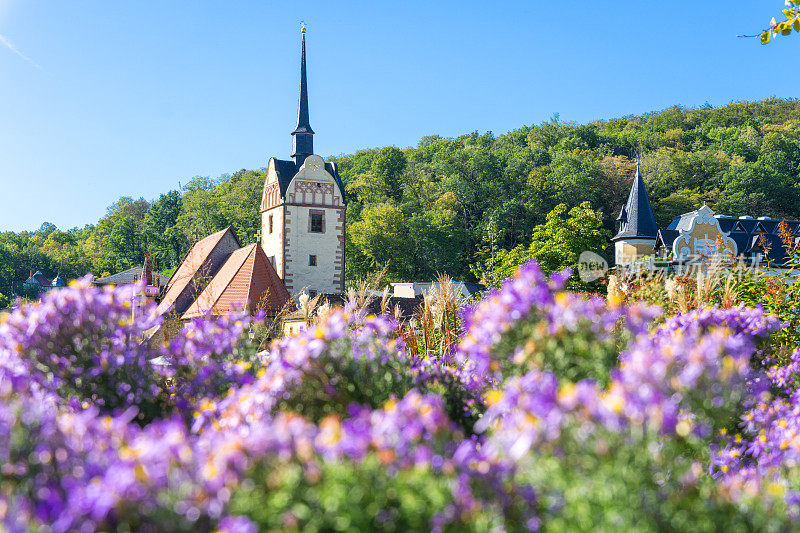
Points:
(556, 245)
(785, 27)
(448, 205)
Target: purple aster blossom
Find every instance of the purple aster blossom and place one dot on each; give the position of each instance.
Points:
(236, 524)
(343, 359)
(529, 298)
(206, 357)
(487, 321)
(86, 342)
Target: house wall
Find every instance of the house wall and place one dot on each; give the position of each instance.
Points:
(701, 236)
(628, 250)
(273, 242)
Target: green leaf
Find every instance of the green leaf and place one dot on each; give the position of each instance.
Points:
(765, 37)
(796, 24)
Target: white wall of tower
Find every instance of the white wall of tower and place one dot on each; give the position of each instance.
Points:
(292, 242)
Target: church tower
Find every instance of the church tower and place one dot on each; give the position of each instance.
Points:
(303, 211)
(637, 225)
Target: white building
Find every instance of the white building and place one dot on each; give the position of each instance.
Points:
(303, 212)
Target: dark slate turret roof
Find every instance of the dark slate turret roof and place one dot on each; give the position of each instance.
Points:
(286, 171)
(303, 125)
(623, 215)
(639, 220)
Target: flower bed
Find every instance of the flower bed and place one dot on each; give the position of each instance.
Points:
(553, 411)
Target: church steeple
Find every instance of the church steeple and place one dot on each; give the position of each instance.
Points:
(303, 135)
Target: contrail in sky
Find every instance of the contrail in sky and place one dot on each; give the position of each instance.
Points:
(10, 46)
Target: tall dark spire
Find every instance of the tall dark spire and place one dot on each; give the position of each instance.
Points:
(303, 135)
(636, 217)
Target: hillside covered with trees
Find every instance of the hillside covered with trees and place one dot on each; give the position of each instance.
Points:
(449, 205)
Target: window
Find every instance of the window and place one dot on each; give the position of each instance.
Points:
(312, 260)
(270, 224)
(316, 223)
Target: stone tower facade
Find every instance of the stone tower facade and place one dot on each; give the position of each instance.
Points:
(303, 212)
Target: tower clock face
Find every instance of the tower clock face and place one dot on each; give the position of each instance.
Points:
(315, 164)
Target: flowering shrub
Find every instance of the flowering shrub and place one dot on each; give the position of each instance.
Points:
(205, 357)
(553, 411)
(86, 344)
(530, 323)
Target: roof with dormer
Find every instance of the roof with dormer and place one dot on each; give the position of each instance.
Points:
(38, 279)
(751, 235)
(636, 217)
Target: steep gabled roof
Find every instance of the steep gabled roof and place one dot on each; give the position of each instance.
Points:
(286, 171)
(640, 221)
(665, 238)
(193, 265)
(333, 171)
(39, 279)
(246, 278)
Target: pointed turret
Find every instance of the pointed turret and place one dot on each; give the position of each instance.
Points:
(636, 218)
(303, 135)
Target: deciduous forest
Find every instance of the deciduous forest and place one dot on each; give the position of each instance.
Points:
(453, 205)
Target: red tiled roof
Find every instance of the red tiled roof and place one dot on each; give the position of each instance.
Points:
(188, 269)
(247, 277)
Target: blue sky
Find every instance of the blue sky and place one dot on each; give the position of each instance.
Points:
(104, 99)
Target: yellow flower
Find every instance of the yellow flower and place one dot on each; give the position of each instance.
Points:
(141, 473)
(567, 391)
(493, 396)
(390, 405)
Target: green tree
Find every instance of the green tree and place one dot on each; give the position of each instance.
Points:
(125, 244)
(556, 244)
(388, 165)
(160, 230)
(439, 242)
(382, 237)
